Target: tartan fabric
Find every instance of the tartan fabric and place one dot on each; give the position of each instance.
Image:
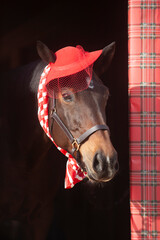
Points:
(144, 106)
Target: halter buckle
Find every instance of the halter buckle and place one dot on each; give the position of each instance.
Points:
(53, 111)
(75, 145)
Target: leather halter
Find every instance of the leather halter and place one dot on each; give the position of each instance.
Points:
(76, 142)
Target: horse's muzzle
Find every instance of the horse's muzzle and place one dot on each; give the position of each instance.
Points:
(104, 167)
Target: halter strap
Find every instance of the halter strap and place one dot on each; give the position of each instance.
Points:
(91, 131)
(76, 142)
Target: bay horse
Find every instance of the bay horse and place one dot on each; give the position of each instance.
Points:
(31, 169)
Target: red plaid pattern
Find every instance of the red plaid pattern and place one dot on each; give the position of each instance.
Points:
(144, 103)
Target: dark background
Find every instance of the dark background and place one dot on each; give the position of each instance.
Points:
(84, 212)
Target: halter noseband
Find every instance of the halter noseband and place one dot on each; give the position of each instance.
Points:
(76, 142)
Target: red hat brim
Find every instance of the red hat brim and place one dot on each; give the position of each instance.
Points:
(60, 70)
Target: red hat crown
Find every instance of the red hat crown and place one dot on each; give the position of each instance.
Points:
(70, 61)
(69, 55)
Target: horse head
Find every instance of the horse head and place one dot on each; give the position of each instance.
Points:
(80, 111)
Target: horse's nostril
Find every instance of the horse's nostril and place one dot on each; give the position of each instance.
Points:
(117, 166)
(114, 160)
(99, 162)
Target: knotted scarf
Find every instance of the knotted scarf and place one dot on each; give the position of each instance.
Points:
(74, 174)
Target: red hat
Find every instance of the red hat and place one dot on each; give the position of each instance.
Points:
(70, 60)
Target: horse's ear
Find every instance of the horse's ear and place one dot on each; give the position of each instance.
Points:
(103, 62)
(45, 53)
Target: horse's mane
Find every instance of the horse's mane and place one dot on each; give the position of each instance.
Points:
(22, 78)
(36, 76)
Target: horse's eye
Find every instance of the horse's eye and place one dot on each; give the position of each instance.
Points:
(67, 96)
